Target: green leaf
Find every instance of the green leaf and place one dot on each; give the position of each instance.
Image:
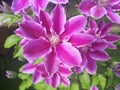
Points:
(11, 41)
(85, 80)
(94, 80)
(25, 84)
(38, 60)
(102, 81)
(23, 76)
(74, 86)
(18, 52)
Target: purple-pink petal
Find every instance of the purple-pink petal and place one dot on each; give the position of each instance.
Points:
(65, 71)
(46, 20)
(81, 39)
(69, 54)
(114, 17)
(65, 81)
(59, 1)
(85, 6)
(91, 67)
(92, 24)
(39, 5)
(111, 46)
(19, 32)
(36, 77)
(100, 55)
(32, 30)
(93, 88)
(112, 37)
(52, 63)
(75, 25)
(35, 49)
(18, 5)
(55, 80)
(99, 45)
(58, 18)
(114, 2)
(29, 68)
(98, 12)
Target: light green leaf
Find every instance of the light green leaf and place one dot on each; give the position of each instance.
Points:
(85, 80)
(102, 81)
(23, 76)
(94, 80)
(11, 40)
(18, 52)
(74, 86)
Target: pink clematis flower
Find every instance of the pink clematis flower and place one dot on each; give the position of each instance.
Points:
(99, 8)
(50, 36)
(37, 5)
(39, 71)
(94, 88)
(96, 50)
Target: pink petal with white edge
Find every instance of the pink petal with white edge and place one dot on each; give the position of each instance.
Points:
(114, 17)
(97, 12)
(68, 54)
(19, 32)
(112, 37)
(86, 10)
(39, 5)
(36, 77)
(52, 63)
(18, 5)
(36, 49)
(59, 1)
(91, 67)
(46, 20)
(23, 42)
(112, 46)
(55, 80)
(114, 2)
(92, 24)
(59, 19)
(32, 30)
(99, 45)
(99, 55)
(94, 88)
(81, 39)
(65, 81)
(65, 71)
(74, 25)
(29, 68)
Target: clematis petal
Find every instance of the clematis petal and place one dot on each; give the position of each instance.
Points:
(86, 10)
(116, 7)
(74, 25)
(46, 20)
(114, 2)
(58, 18)
(98, 12)
(19, 32)
(99, 45)
(23, 42)
(35, 49)
(101, 24)
(59, 1)
(112, 37)
(114, 17)
(92, 24)
(91, 66)
(32, 30)
(36, 77)
(39, 5)
(100, 55)
(52, 63)
(65, 71)
(55, 80)
(81, 39)
(29, 68)
(68, 54)
(112, 46)
(93, 88)
(65, 81)
(18, 5)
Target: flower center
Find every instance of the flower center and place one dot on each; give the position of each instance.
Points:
(84, 48)
(103, 3)
(54, 39)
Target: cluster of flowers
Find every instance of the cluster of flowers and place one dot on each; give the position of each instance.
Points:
(66, 45)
